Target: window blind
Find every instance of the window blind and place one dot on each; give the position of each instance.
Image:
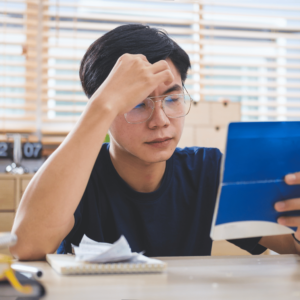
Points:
(72, 26)
(18, 29)
(250, 52)
(246, 51)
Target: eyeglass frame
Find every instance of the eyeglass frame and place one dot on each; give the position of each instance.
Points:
(163, 106)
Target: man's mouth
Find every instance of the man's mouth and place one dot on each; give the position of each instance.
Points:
(159, 141)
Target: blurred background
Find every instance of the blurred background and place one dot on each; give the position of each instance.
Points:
(245, 59)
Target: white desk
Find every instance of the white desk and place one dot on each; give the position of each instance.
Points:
(239, 277)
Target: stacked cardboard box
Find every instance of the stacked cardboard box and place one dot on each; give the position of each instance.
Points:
(206, 124)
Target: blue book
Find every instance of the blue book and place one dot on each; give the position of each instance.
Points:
(258, 155)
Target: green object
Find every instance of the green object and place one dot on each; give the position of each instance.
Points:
(107, 139)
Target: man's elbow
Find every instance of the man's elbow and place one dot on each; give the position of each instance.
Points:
(25, 252)
(33, 244)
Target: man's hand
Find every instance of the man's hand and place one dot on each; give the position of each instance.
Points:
(131, 81)
(285, 244)
(290, 205)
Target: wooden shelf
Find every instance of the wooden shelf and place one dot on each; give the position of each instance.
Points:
(12, 188)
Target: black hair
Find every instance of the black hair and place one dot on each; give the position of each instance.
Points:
(102, 55)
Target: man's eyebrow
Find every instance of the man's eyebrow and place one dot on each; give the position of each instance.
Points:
(175, 87)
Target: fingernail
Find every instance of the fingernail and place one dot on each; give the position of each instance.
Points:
(280, 205)
(290, 177)
(281, 221)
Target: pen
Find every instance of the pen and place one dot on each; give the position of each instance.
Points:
(27, 269)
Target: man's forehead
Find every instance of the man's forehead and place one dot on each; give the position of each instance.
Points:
(175, 72)
(176, 85)
(163, 89)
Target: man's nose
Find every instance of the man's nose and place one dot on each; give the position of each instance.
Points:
(158, 118)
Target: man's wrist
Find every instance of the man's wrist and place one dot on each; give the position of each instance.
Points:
(100, 105)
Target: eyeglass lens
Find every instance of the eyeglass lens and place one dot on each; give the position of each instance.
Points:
(174, 106)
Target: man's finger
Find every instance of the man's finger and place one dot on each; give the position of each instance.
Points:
(293, 178)
(289, 221)
(142, 56)
(159, 66)
(287, 205)
(165, 76)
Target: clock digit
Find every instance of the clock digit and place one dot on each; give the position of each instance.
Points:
(3, 149)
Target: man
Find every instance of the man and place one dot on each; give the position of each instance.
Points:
(161, 198)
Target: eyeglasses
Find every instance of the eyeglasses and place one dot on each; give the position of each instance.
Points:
(174, 106)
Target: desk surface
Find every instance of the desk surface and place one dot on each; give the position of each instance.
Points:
(235, 277)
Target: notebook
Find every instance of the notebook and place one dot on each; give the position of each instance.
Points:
(66, 264)
(258, 155)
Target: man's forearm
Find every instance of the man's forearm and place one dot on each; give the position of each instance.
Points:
(282, 244)
(45, 214)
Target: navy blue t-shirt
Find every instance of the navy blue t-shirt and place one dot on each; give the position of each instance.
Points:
(174, 220)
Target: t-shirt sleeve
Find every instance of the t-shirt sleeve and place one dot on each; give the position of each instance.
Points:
(76, 233)
(250, 244)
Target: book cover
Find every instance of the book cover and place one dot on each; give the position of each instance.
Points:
(257, 157)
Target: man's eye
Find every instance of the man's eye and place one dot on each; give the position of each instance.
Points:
(141, 105)
(172, 99)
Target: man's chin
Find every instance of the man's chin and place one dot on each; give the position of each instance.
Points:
(159, 155)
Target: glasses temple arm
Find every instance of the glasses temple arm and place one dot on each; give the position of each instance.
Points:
(187, 91)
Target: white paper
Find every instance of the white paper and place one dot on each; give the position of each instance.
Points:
(94, 252)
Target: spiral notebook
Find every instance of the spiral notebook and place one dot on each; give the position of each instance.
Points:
(65, 264)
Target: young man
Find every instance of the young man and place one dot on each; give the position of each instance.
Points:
(161, 198)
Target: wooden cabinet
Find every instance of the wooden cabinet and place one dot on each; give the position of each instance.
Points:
(12, 188)
(187, 137)
(6, 220)
(7, 194)
(214, 136)
(199, 114)
(224, 113)
(206, 124)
